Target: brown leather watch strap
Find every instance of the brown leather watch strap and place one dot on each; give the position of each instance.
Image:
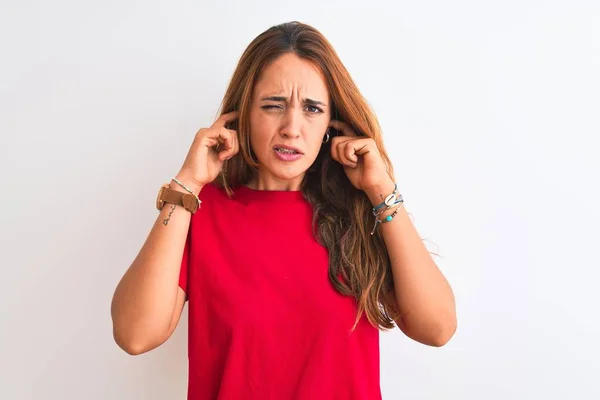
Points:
(186, 200)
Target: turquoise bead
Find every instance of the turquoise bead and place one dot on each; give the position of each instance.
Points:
(388, 218)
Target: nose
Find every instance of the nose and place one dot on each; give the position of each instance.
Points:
(292, 124)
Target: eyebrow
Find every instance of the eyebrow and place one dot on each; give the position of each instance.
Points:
(284, 99)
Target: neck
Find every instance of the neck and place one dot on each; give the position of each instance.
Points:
(261, 182)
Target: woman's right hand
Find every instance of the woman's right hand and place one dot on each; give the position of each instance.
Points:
(209, 150)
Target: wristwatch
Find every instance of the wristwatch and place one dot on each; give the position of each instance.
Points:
(168, 195)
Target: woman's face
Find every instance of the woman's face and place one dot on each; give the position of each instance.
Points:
(289, 116)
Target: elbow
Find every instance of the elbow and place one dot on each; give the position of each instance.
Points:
(441, 340)
(133, 346)
(131, 349)
(125, 339)
(133, 342)
(134, 337)
(435, 333)
(444, 333)
(129, 345)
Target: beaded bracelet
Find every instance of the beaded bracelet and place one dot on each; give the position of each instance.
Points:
(391, 201)
(389, 218)
(388, 207)
(187, 189)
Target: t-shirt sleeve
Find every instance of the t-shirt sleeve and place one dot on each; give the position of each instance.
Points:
(185, 261)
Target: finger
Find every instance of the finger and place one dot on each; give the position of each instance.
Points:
(343, 127)
(233, 142)
(225, 118)
(338, 153)
(363, 146)
(236, 141)
(337, 144)
(347, 156)
(350, 153)
(226, 143)
(334, 150)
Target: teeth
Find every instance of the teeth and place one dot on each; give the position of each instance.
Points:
(286, 151)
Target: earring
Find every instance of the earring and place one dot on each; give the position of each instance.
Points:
(326, 138)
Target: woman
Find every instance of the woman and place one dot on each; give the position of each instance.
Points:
(286, 232)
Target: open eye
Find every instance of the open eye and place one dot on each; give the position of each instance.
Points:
(314, 109)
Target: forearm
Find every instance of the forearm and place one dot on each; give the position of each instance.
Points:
(144, 300)
(424, 298)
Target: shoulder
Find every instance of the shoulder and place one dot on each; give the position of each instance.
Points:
(213, 196)
(215, 204)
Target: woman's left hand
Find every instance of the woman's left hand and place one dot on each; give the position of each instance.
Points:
(361, 159)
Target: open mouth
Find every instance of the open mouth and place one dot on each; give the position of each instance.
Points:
(284, 150)
(287, 153)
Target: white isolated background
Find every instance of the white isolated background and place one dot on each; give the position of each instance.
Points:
(491, 115)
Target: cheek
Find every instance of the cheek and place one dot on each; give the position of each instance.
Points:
(318, 133)
(263, 131)
(316, 143)
(257, 128)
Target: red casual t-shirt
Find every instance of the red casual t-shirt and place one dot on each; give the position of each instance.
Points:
(264, 320)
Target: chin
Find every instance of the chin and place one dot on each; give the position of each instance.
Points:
(286, 172)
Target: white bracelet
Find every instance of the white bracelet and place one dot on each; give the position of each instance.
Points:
(187, 189)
